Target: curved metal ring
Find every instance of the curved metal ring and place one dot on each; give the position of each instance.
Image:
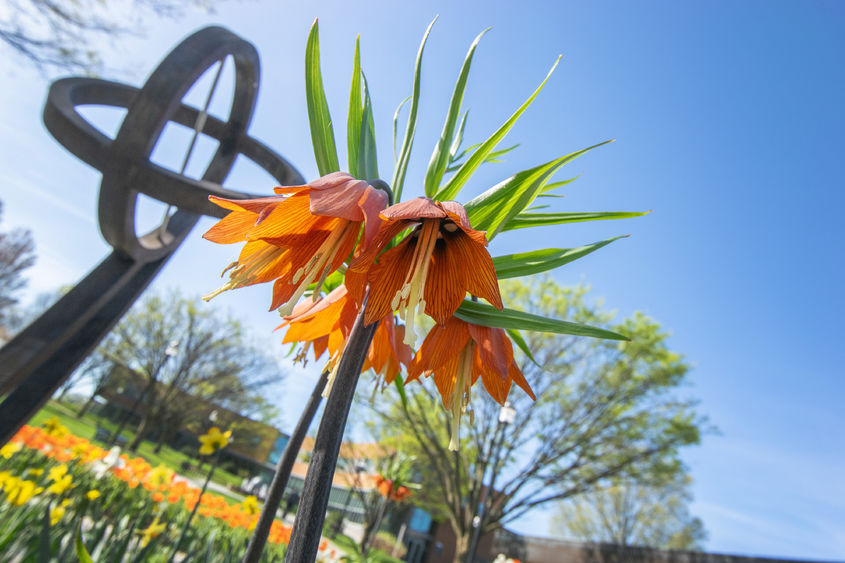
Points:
(124, 161)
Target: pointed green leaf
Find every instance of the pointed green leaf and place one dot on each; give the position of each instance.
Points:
(451, 189)
(527, 263)
(487, 315)
(367, 158)
(520, 342)
(555, 185)
(81, 552)
(411, 128)
(322, 135)
(494, 156)
(401, 388)
(524, 220)
(459, 138)
(491, 210)
(353, 120)
(440, 157)
(396, 124)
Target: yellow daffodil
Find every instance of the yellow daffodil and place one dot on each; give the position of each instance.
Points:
(214, 440)
(10, 449)
(58, 512)
(60, 485)
(152, 531)
(36, 472)
(57, 472)
(93, 494)
(250, 505)
(54, 427)
(159, 476)
(19, 491)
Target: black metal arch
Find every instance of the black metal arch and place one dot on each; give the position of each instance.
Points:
(42, 356)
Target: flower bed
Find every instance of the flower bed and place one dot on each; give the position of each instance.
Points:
(55, 485)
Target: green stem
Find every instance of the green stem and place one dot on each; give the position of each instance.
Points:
(194, 511)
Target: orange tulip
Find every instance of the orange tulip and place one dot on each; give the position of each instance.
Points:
(457, 353)
(431, 269)
(300, 239)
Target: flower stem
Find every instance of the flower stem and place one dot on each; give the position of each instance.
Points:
(194, 511)
(307, 528)
(283, 469)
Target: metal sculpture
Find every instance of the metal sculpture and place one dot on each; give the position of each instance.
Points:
(42, 356)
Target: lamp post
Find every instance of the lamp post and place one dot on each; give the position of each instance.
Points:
(507, 414)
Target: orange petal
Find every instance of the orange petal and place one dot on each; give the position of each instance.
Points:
(516, 375)
(445, 378)
(497, 386)
(231, 228)
(386, 278)
(477, 268)
(371, 203)
(442, 343)
(444, 286)
(290, 217)
(493, 348)
(256, 205)
(414, 209)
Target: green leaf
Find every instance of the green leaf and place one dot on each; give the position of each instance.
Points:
(353, 119)
(517, 338)
(487, 315)
(81, 552)
(440, 157)
(459, 138)
(493, 209)
(322, 136)
(367, 158)
(411, 128)
(451, 189)
(401, 388)
(494, 156)
(396, 124)
(524, 220)
(536, 261)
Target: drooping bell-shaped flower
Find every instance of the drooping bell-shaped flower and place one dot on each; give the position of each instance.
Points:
(325, 325)
(430, 270)
(457, 353)
(298, 239)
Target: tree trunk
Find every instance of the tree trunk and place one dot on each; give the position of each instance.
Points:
(461, 547)
(81, 412)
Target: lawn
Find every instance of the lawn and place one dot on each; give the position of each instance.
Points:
(86, 427)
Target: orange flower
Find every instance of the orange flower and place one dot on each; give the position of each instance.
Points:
(457, 353)
(431, 269)
(326, 324)
(300, 239)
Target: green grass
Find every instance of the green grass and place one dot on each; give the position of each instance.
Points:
(86, 427)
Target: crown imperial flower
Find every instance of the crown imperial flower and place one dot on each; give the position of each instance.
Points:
(430, 270)
(457, 353)
(298, 239)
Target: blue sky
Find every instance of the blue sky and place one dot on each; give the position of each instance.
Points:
(728, 119)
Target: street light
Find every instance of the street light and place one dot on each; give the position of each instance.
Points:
(507, 414)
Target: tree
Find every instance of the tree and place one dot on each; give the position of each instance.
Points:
(634, 514)
(63, 35)
(605, 410)
(187, 361)
(17, 253)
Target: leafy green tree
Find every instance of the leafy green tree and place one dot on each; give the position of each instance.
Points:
(605, 411)
(187, 359)
(17, 253)
(634, 514)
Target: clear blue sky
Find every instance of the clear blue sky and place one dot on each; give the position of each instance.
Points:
(729, 120)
